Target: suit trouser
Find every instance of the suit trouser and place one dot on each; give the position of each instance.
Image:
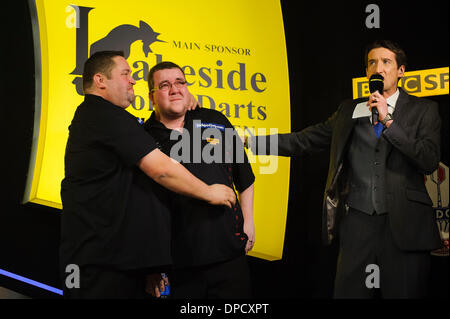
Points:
(367, 250)
(223, 280)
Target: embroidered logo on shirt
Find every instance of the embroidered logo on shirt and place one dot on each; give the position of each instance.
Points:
(140, 120)
(213, 141)
(210, 125)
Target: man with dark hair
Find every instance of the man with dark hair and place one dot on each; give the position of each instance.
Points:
(101, 62)
(375, 193)
(400, 56)
(113, 225)
(209, 243)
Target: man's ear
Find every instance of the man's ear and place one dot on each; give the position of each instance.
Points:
(401, 71)
(152, 98)
(99, 80)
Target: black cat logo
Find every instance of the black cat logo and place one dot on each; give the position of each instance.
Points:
(121, 38)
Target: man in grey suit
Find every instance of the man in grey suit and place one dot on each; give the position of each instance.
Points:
(375, 196)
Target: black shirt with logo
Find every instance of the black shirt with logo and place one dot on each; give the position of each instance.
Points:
(201, 233)
(113, 215)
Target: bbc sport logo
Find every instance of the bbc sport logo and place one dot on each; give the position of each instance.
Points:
(419, 83)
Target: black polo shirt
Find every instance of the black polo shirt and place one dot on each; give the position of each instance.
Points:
(112, 213)
(201, 233)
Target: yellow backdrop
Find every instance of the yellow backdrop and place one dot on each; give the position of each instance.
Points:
(234, 56)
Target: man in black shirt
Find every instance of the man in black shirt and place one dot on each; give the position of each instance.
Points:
(209, 243)
(113, 224)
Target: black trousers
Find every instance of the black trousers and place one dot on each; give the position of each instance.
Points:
(367, 250)
(106, 283)
(224, 280)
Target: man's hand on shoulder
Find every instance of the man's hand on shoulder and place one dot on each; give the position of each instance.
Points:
(192, 102)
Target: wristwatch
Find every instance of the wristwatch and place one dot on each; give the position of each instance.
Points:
(388, 117)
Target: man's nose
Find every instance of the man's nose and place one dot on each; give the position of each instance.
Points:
(173, 89)
(380, 68)
(132, 81)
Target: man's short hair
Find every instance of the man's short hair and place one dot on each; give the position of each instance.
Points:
(161, 66)
(99, 62)
(400, 55)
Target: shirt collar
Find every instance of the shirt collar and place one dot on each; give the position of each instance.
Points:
(361, 109)
(392, 100)
(153, 123)
(93, 98)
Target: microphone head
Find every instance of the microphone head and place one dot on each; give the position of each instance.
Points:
(376, 83)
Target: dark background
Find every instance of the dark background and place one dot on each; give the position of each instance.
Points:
(325, 44)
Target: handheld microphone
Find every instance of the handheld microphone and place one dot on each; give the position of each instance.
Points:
(376, 84)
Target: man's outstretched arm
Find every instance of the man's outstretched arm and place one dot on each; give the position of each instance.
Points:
(172, 175)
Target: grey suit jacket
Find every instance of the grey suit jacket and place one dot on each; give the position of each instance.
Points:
(414, 150)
